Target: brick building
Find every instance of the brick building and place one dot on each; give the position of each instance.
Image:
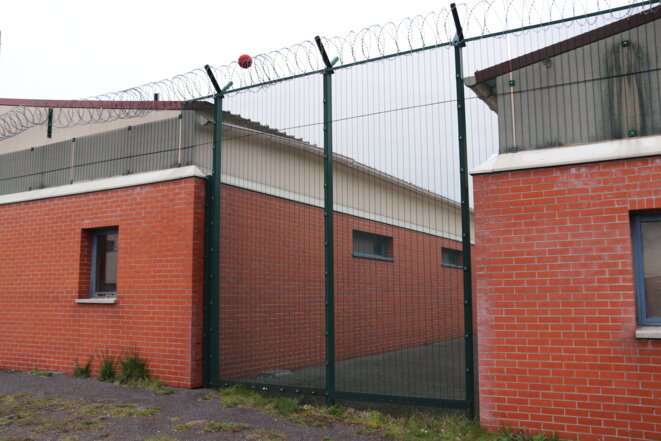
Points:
(567, 222)
(102, 230)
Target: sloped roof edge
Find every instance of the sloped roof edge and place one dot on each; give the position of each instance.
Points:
(93, 104)
(570, 44)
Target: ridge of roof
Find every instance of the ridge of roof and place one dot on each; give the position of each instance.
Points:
(584, 39)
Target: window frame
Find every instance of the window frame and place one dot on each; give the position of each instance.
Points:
(386, 246)
(639, 268)
(460, 253)
(93, 293)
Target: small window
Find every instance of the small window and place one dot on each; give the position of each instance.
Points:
(647, 266)
(452, 258)
(372, 246)
(103, 278)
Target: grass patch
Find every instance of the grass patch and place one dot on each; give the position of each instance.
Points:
(161, 438)
(39, 373)
(513, 435)
(55, 418)
(83, 371)
(164, 391)
(265, 435)
(107, 368)
(418, 425)
(99, 410)
(239, 396)
(188, 426)
(132, 370)
(152, 383)
(285, 405)
(31, 413)
(210, 426)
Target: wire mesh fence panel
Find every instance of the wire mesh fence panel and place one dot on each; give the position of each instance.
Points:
(399, 322)
(272, 245)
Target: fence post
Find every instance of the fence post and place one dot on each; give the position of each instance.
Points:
(211, 336)
(458, 43)
(329, 246)
(212, 254)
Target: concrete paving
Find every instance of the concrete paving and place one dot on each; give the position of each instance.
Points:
(430, 371)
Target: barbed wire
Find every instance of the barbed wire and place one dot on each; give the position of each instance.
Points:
(480, 18)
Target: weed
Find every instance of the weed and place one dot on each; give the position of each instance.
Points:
(265, 435)
(107, 368)
(366, 431)
(285, 405)
(118, 410)
(240, 396)
(212, 427)
(160, 438)
(152, 383)
(164, 391)
(39, 373)
(337, 411)
(83, 371)
(518, 435)
(133, 370)
(89, 425)
(297, 420)
(188, 426)
(211, 396)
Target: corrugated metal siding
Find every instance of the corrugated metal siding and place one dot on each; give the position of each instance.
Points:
(199, 137)
(134, 149)
(56, 164)
(594, 93)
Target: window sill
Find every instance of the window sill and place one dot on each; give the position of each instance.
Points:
(652, 332)
(99, 301)
(373, 256)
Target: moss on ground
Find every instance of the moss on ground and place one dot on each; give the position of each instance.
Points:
(59, 418)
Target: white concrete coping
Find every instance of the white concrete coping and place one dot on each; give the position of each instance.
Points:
(572, 154)
(648, 332)
(98, 300)
(104, 184)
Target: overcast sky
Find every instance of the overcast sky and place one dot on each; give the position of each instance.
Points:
(72, 49)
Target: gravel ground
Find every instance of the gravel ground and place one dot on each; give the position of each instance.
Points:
(62, 408)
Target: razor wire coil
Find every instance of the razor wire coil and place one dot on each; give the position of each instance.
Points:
(480, 18)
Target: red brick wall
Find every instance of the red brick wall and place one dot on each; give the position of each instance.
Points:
(272, 287)
(44, 268)
(556, 301)
(272, 266)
